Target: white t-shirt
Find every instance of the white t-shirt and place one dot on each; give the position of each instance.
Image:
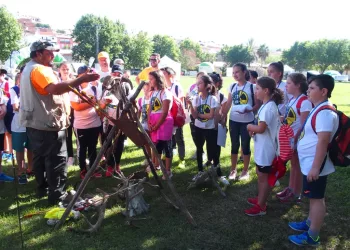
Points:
(111, 107)
(326, 121)
(157, 98)
(204, 106)
(193, 90)
(143, 106)
(104, 74)
(87, 118)
(264, 144)
(176, 87)
(3, 101)
(241, 95)
(286, 97)
(292, 115)
(15, 124)
(224, 99)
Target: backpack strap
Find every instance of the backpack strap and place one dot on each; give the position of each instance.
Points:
(221, 97)
(300, 101)
(252, 91)
(177, 90)
(233, 85)
(313, 118)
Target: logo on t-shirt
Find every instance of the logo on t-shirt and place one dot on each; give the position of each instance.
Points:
(291, 117)
(203, 109)
(156, 104)
(145, 109)
(241, 97)
(301, 136)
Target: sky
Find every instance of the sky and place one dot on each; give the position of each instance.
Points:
(276, 23)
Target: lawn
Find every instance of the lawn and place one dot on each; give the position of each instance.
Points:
(221, 221)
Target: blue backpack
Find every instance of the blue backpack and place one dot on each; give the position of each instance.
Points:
(9, 111)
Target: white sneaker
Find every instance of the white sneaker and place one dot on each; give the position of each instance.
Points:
(233, 175)
(244, 176)
(170, 174)
(70, 161)
(224, 181)
(197, 175)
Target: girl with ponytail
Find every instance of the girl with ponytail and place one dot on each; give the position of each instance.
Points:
(202, 108)
(263, 131)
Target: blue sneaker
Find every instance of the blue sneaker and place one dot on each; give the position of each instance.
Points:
(299, 226)
(304, 240)
(5, 178)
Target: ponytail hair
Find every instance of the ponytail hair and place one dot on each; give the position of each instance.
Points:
(276, 94)
(279, 67)
(208, 83)
(299, 79)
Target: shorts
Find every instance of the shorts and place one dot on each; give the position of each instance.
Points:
(2, 141)
(264, 169)
(315, 189)
(20, 141)
(165, 146)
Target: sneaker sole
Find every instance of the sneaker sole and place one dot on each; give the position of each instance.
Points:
(259, 214)
(303, 245)
(297, 230)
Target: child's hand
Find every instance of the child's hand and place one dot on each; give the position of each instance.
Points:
(249, 127)
(313, 175)
(251, 134)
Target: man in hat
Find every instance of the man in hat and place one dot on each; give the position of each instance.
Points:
(44, 111)
(117, 71)
(104, 61)
(154, 61)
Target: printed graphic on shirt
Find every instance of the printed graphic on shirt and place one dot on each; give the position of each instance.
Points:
(156, 104)
(291, 116)
(203, 109)
(240, 97)
(301, 136)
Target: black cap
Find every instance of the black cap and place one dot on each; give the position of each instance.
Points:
(82, 69)
(117, 68)
(3, 71)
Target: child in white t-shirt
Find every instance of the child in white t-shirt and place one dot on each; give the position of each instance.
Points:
(202, 108)
(297, 111)
(314, 160)
(160, 122)
(264, 131)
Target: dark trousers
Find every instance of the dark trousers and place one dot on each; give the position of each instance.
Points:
(209, 136)
(178, 139)
(49, 162)
(70, 141)
(87, 144)
(239, 129)
(114, 154)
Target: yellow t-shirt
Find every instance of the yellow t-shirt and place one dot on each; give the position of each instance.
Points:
(143, 76)
(41, 77)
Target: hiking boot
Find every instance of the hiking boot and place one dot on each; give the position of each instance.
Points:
(182, 164)
(233, 175)
(197, 176)
(255, 210)
(244, 176)
(299, 226)
(304, 239)
(6, 178)
(22, 179)
(283, 193)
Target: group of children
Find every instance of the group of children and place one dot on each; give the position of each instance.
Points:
(257, 108)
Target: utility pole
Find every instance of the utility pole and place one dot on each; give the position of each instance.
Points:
(97, 40)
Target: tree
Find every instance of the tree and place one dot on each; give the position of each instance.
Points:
(263, 52)
(250, 46)
(165, 45)
(10, 33)
(301, 56)
(208, 57)
(222, 55)
(140, 50)
(110, 35)
(239, 53)
(191, 54)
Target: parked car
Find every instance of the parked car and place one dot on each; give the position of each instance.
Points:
(337, 76)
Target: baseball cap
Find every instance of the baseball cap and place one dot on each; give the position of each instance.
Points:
(118, 61)
(103, 54)
(41, 44)
(3, 71)
(117, 68)
(82, 69)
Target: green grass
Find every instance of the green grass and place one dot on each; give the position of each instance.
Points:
(221, 222)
